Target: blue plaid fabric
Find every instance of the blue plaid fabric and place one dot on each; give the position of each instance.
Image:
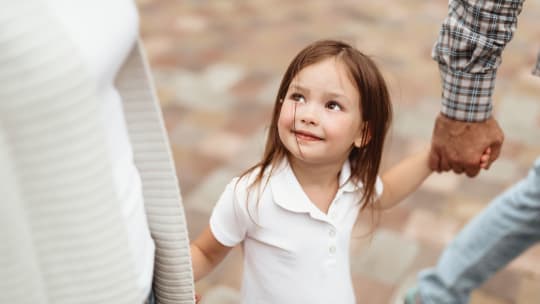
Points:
(469, 48)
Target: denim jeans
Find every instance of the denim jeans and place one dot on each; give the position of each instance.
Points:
(151, 298)
(501, 232)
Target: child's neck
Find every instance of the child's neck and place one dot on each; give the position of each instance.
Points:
(320, 182)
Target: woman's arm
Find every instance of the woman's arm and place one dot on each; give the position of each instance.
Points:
(404, 178)
(206, 253)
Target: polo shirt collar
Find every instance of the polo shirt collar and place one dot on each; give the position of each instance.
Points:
(288, 193)
(346, 184)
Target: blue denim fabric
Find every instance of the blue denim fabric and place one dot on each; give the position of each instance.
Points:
(151, 298)
(501, 232)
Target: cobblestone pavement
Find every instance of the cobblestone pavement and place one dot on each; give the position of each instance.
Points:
(217, 65)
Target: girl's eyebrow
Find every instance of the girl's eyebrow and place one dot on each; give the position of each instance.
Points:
(298, 88)
(328, 94)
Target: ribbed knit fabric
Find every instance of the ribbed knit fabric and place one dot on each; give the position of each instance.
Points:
(62, 238)
(173, 278)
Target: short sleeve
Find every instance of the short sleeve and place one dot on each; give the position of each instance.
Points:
(229, 220)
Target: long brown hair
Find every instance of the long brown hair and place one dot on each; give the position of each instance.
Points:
(375, 107)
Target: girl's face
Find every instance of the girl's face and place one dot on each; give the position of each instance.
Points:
(320, 119)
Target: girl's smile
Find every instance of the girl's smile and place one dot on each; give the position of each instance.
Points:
(306, 136)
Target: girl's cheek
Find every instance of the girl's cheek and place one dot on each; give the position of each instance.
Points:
(282, 124)
(285, 117)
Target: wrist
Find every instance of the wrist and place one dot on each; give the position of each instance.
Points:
(467, 96)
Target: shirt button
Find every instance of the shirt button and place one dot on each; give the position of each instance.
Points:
(332, 249)
(332, 233)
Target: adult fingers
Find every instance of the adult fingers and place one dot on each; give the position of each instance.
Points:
(496, 136)
(458, 169)
(445, 165)
(495, 152)
(434, 161)
(472, 167)
(472, 171)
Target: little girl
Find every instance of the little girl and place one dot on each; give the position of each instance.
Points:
(293, 212)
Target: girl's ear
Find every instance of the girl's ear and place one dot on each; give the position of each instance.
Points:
(364, 136)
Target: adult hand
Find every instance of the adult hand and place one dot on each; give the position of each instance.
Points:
(458, 145)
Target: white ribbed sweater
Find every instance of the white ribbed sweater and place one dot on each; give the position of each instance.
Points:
(62, 238)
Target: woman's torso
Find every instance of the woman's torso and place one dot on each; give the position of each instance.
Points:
(104, 32)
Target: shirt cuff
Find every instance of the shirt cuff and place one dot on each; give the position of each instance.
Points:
(467, 96)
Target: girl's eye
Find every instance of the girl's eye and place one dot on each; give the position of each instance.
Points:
(334, 106)
(298, 97)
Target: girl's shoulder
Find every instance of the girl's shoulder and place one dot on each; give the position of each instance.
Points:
(246, 179)
(251, 183)
(253, 176)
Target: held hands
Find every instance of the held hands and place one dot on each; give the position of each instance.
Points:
(464, 146)
(484, 159)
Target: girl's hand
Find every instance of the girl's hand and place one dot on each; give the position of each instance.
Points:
(484, 159)
(197, 298)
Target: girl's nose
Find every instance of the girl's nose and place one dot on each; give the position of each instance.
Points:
(308, 121)
(307, 114)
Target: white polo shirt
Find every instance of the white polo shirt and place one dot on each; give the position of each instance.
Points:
(293, 252)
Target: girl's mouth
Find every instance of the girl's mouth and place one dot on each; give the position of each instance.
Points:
(303, 135)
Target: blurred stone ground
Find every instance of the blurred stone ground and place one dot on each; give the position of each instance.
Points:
(217, 65)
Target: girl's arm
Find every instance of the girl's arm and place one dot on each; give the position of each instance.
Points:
(404, 178)
(206, 253)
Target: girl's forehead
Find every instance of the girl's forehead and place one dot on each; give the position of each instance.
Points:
(329, 69)
(326, 75)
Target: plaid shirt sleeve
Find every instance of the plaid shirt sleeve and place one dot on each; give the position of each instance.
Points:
(536, 70)
(469, 48)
